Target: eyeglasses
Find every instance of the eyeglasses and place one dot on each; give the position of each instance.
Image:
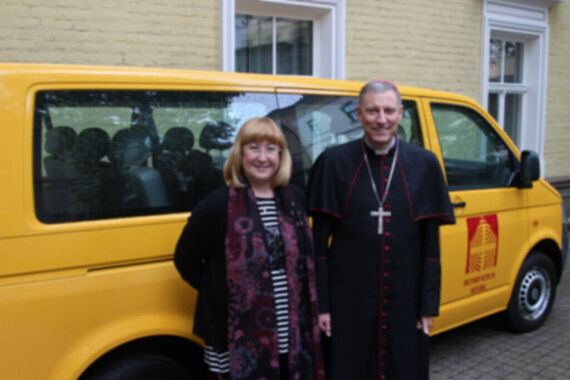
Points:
(256, 149)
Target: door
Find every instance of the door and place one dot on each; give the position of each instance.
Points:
(489, 235)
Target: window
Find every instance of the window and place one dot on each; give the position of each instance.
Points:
(313, 123)
(515, 54)
(474, 156)
(102, 154)
(274, 45)
(506, 85)
(283, 37)
(106, 154)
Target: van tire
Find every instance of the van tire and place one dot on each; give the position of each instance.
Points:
(533, 294)
(143, 366)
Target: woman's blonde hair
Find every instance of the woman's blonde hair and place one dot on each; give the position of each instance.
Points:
(257, 129)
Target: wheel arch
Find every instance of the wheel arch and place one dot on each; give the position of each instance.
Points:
(551, 249)
(183, 350)
(152, 331)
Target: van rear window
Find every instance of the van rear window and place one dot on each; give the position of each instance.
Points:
(102, 154)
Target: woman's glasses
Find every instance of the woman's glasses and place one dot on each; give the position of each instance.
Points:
(255, 149)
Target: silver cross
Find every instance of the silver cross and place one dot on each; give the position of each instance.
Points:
(380, 214)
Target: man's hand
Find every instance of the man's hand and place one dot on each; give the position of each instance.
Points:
(325, 323)
(424, 324)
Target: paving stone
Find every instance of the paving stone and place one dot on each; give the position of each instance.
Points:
(481, 350)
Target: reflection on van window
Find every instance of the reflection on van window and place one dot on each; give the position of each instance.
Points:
(313, 123)
(106, 154)
(474, 155)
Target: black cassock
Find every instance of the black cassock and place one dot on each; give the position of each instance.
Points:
(377, 286)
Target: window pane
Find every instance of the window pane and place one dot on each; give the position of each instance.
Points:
(473, 154)
(294, 47)
(313, 123)
(493, 106)
(254, 40)
(513, 62)
(495, 60)
(512, 116)
(107, 154)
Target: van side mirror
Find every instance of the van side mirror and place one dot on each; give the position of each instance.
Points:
(530, 169)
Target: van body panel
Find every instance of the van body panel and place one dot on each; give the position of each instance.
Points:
(501, 231)
(73, 321)
(75, 286)
(470, 309)
(88, 249)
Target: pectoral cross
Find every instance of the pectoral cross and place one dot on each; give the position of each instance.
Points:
(380, 214)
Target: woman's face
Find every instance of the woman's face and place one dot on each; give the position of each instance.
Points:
(260, 161)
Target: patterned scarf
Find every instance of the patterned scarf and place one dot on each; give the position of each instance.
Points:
(252, 322)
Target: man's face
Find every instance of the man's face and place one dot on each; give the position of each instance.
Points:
(380, 115)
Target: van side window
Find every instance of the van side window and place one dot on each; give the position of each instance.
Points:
(312, 123)
(474, 155)
(106, 154)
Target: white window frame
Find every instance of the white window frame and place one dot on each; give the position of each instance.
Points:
(522, 21)
(328, 16)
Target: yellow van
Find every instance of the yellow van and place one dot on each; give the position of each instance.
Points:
(101, 167)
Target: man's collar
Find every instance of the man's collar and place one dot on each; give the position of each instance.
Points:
(380, 152)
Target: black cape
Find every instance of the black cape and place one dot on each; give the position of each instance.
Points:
(377, 286)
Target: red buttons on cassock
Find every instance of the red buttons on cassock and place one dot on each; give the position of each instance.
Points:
(387, 247)
(387, 233)
(386, 274)
(387, 261)
(384, 314)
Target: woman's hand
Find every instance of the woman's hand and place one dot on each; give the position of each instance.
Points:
(325, 323)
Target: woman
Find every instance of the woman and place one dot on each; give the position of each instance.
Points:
(247, 249)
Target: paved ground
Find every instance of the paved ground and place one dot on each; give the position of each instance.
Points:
(481, 350)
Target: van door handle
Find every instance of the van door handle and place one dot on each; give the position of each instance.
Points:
(458, 204)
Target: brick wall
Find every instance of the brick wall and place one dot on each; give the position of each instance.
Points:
(557, 136)
(434, 44)
(169, 33)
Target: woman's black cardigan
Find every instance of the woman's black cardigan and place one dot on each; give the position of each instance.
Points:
(201, 260)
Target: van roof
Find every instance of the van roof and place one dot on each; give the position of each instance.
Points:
(73, 73)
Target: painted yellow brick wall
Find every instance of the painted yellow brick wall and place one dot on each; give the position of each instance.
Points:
(168, 33)
(435, 43)
(557, 135)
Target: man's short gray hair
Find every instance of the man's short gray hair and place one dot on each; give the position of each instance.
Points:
(379, 86)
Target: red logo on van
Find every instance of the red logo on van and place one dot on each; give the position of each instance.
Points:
(483, 243)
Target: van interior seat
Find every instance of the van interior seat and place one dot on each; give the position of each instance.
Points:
(176, 148)
(56, 194)
(59, 143)
(88, 173)
(91, 147)
(136, 185)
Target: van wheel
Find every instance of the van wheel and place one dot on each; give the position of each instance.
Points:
(142, 366)
(533, 294)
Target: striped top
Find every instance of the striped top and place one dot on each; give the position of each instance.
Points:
(220, 361)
